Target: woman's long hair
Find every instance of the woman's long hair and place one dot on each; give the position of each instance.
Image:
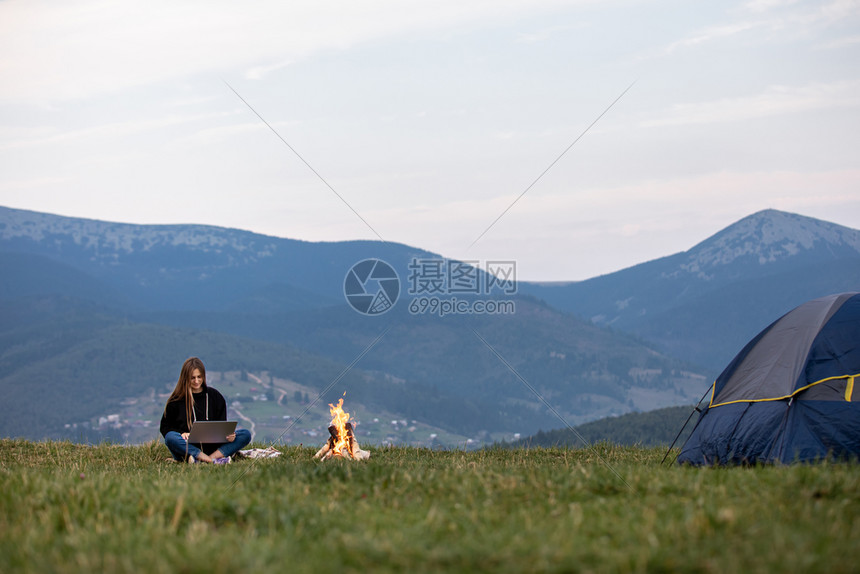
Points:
(183, 386)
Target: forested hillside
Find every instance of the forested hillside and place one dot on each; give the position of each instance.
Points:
(654, 428)
(95, 312)
(73, 361)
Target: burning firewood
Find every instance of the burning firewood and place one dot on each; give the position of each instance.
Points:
(342, 442)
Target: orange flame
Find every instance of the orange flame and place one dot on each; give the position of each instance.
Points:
(339, 418)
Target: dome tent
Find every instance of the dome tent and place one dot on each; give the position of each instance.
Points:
(789, 395)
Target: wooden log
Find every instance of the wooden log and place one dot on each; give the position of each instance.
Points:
(323, 452)
(351, 441)
(352, 450)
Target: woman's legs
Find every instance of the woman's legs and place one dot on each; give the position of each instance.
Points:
(179, 448)
(243, 437)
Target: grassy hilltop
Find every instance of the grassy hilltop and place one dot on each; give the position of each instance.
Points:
(74, 508)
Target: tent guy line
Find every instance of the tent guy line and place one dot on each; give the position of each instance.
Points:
(696, 409)
(550, 166)
(298, 155)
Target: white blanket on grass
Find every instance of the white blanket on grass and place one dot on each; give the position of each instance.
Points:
(260, 452)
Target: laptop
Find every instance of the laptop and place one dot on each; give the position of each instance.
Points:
(211, 431)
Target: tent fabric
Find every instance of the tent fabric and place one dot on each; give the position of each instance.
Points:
(789, 395)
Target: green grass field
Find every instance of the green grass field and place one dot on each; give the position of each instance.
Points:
(73, 508)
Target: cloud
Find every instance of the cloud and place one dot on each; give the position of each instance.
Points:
(543, 34)
(773, 20)
(30, 184)
(759, 6)
(44, 136)
(774, 101)
(78, 49)
(222, 133)
(838, 10)
(259, 72)
(711, 34)
(574, 236)
(802, 18)
(843, 42)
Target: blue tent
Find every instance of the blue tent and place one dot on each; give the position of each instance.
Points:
(789, 395)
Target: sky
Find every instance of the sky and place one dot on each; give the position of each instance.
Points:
(576, 138)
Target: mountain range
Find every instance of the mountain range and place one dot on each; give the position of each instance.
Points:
(97, 313)
(705, 303)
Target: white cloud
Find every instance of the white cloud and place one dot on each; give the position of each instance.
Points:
(76, 49)
(772, 20)
(838, 10)
(45, 136)
(210, 135)
(31, 184)
(259, 72)
(766, 5)
(774, 101)
(543, 34)
(605, 229)
(711, 34)
(837, 43)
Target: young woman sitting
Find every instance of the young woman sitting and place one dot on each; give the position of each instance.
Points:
(193, 400)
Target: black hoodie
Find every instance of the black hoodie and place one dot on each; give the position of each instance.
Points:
(209, 405)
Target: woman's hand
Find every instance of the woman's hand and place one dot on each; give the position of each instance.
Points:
(185, 436)
(231, 437)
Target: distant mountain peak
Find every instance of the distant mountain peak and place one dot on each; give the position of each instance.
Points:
(105, 239)
(771, 236)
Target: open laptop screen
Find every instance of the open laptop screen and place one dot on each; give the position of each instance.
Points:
(211, 431)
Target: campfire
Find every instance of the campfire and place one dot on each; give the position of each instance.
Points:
(342, 441)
